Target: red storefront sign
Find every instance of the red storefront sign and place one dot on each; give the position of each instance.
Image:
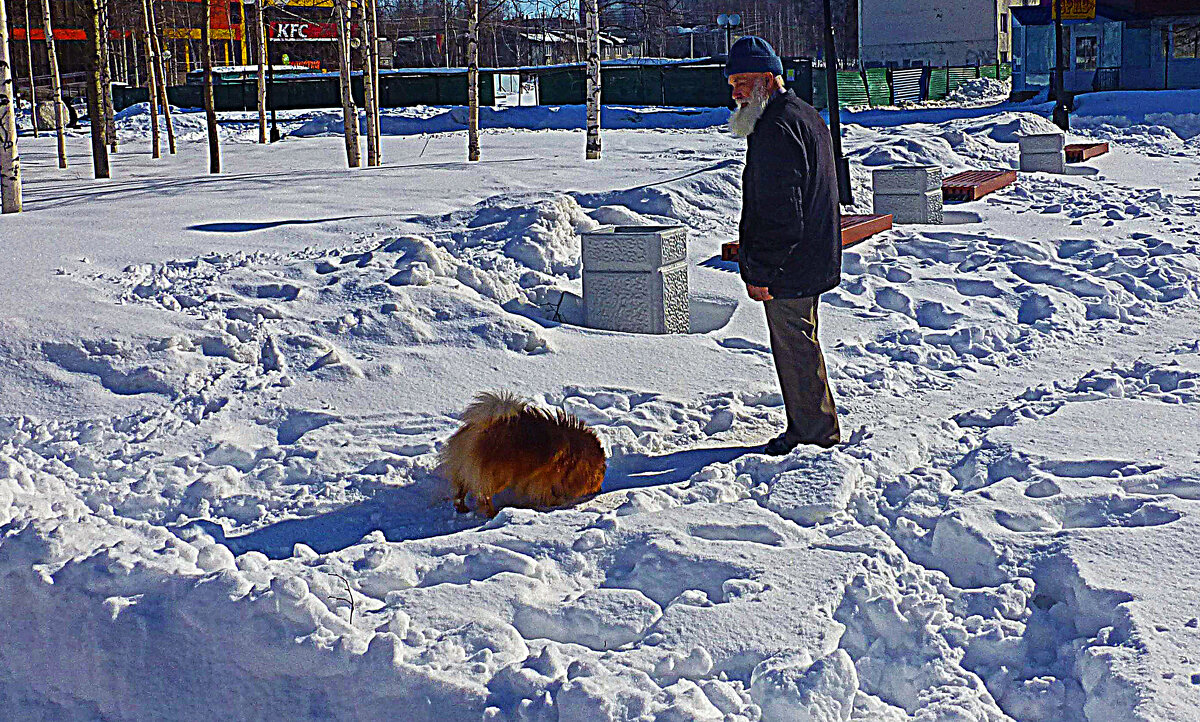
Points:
(59, 34)
(299, 31)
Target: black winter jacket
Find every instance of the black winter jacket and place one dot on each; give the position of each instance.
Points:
(790, 231)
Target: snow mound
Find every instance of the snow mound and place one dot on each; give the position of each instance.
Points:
(404, 121)
(980, 89)
(190, 125)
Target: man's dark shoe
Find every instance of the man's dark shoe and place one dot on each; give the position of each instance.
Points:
(779, 446)
(782, 446)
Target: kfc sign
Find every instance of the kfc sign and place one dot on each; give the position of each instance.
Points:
(298, 31)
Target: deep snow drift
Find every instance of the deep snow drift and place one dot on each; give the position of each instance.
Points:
(222, 398)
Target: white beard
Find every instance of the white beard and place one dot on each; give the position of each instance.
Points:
(746, 115)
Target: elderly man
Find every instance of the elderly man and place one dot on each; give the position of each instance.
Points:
(790, 236)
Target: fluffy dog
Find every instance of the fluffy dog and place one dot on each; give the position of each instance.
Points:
(547, 458)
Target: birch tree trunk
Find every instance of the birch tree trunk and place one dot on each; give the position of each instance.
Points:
(10, 159)
(210, 106)
(110, 121)
(95, 91)
(364, 17)
(29, 57)
(473, 82)
(163, 101)
(373, 23)
(349, 112)
(593, 79)
(55, 85)
(151, 81)
(260, 30)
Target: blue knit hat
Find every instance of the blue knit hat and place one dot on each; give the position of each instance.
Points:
(752, 54)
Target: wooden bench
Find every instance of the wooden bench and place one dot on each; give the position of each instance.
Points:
(1079, 152)
(855, 229)
(975, 184)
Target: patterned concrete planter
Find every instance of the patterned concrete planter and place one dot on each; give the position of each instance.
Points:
(910, 194)
(635, 279)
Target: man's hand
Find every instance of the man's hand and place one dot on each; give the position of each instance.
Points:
(758, 293)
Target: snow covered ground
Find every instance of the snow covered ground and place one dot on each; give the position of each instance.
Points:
(221, 398)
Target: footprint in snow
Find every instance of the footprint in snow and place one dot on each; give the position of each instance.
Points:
(738, 343)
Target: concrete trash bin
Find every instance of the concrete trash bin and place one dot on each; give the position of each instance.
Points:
(635, 279)
(1043, 153)
(910, 194)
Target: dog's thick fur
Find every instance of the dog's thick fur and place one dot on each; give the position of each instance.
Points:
(546, 458)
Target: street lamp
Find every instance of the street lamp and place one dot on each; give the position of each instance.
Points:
(691, 33)
(729, 22)
(1062, 117)
(845, 192)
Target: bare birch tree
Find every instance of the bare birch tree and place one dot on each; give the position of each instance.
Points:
(29, 67)
(210, 105)
(373, 23)
(473, 82)
(592, 12)
(10, 158)
(95, 89)
(163, 101)
(106, 107)
(151, 81)
(260, 29)
(349, 112)
(369, 81)
(55, 84)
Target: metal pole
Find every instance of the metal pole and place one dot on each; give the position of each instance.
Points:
(845, 192)
(1061, 116)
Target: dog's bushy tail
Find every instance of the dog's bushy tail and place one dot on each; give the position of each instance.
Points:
(489, 407)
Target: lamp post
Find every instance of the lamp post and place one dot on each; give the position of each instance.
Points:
(691, 33)
(1062, 117)
(845, 192)
(728, 22)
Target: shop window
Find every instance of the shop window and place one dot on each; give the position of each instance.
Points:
(1186, 39)
(1087, 51)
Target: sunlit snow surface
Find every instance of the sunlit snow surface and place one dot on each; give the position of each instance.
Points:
(222, 398)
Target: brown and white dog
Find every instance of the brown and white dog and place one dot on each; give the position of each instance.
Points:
(547, 458)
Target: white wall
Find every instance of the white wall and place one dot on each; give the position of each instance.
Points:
(957, 32)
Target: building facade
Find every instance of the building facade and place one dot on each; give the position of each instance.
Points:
(935, 32)
(1129, 45)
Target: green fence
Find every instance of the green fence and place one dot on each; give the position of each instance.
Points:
(700, 84)
(396, 89)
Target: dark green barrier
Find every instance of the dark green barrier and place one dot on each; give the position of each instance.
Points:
(938, 88)
(395, 90)
(879, 88)
(700, 86)
(635, 85)
(851, 89)
(562, 86)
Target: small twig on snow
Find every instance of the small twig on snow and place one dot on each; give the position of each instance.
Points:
(349, 598)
